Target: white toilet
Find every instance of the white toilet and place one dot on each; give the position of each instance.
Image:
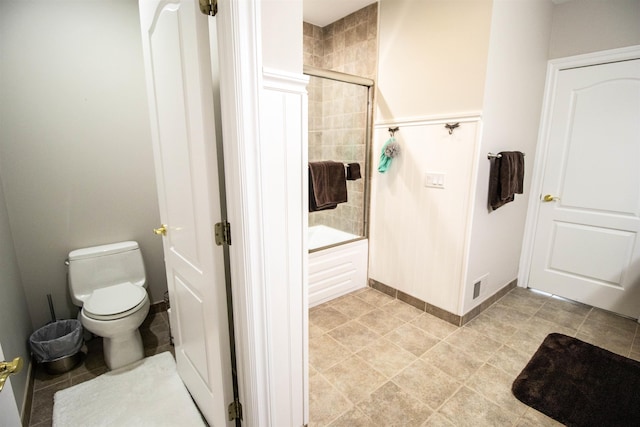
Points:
(109, 283)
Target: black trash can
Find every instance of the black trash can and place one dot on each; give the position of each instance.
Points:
(57, 345)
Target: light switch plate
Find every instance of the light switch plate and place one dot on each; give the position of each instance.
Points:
(434, 180)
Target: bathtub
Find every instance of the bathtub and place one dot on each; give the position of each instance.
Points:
(335, 268)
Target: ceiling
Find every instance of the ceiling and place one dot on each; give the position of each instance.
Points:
(324, 12)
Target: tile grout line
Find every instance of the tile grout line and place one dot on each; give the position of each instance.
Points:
(522, 327)
(583, 322)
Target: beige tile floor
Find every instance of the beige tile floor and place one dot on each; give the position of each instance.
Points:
(155, 337)
(376, 361)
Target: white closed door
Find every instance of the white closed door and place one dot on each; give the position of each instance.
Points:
(180, 89)
(587, 246)
(9, 414)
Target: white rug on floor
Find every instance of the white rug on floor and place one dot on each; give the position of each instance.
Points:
(145, 393)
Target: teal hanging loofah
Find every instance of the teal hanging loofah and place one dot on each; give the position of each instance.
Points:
(389, 150)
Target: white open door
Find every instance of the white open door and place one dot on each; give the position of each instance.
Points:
(179, 82)
(9, 414)
(586, 247)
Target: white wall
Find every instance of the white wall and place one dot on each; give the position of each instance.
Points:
(514, 88)
(418, 234)
(584, 26)
(446, 246)
(432, 57)
(432, 64)
(14, 315)
(524, 35)
(282, 35)
(75, 149)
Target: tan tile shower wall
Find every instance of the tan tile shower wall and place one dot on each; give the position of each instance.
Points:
(337, 111)
(349, 45)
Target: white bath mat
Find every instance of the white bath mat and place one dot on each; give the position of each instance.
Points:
(146, 393)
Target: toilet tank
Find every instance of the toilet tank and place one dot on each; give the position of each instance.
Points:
(101, 266)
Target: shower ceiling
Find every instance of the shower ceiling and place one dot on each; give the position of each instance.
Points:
(324, 12)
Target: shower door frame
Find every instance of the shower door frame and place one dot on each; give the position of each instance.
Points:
(369, 84)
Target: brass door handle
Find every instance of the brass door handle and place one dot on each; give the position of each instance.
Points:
(549, 198)
(162, 231)
(9, 368)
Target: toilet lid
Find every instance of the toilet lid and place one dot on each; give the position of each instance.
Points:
(114, 299)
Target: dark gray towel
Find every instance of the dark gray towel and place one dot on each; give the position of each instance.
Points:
(506, 178)
(327, 185)
(353, 171)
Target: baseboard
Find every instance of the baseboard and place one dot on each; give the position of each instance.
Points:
(489, 301)
(158, 307)
(440, 313)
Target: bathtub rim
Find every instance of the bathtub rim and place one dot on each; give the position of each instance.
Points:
(338, 243)
(333, 245)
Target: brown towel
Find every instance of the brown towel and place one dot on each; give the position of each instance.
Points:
(505, 178)
(327, 185)
(353, 171)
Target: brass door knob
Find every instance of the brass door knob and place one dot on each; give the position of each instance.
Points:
(162, 231)
(9, 368)
(549, 198)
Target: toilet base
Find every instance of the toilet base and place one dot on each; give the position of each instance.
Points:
(122, 350)
(121, 339)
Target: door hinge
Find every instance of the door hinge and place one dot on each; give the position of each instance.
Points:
(223, 233)
(209, 7)
(235, 410)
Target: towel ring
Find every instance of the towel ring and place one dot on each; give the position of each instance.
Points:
(392, 131)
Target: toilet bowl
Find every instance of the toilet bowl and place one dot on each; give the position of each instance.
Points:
(121, 339)
(108, 282)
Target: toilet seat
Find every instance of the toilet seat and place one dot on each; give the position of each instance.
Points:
(114, 302)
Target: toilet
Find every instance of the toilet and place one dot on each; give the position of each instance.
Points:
(109, 283)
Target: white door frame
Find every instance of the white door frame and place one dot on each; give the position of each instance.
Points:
(553, 68)
(239, 87)
(268, 275)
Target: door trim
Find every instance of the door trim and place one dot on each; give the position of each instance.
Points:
(239, 59)
(264, 113)
(554, 66)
